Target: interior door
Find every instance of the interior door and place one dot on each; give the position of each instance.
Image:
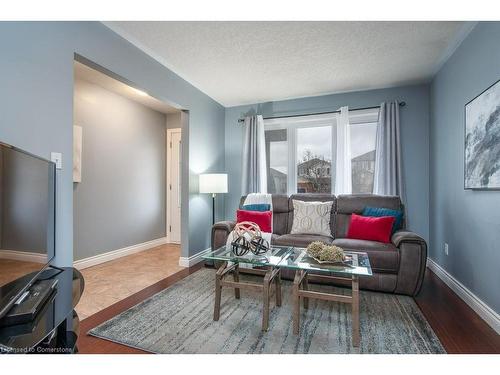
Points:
(174, 186)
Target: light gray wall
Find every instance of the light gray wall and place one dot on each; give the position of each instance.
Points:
(414, 136)
(469, 221)
(36, 110)
(121, 199)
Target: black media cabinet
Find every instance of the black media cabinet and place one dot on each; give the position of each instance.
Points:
(56, 326)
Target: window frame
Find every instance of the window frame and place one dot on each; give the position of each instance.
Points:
(292, 124)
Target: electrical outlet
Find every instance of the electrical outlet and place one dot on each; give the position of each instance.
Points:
(446, 248)
(56, 157)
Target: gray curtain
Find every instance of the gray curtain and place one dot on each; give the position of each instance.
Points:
(388, 179)
(253, 171)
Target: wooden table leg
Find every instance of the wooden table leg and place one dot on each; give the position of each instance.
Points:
(277, 280)
(265, 297)
(296, 301)
(218, 290)
(305, 286)
(355, 311)
(236, 278)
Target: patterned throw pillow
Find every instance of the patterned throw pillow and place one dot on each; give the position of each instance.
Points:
(311, 217)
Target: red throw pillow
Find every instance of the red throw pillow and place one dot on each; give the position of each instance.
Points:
(262, 218)
(371, 228)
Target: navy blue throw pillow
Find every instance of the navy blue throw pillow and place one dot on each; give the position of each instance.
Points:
(378, 212)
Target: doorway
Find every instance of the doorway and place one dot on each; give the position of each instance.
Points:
(120, 216)
(174, 162)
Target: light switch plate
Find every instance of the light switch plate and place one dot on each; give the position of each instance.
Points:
(56, 157)
(446, 248)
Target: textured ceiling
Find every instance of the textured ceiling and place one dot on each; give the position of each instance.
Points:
(247, 62)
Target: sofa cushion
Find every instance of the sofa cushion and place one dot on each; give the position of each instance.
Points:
(384, 257)
(355, 204)
(280, 212)
(378, 212)
(262, 219)
(308, 197)
(257, 207)
(371, 228)
(311, 217)
(300, 240)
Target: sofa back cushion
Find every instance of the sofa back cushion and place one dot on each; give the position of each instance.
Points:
(342, 208)
(349, 204)
(280, 213)
(312, 198)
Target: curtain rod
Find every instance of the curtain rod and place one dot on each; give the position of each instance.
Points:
(401, 104)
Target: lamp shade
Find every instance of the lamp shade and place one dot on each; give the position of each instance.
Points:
(213, 183)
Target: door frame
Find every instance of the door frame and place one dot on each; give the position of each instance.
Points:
(167, 184)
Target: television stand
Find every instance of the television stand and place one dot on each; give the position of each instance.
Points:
(45, 322)
(30, 303)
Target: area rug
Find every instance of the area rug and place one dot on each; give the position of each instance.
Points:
(179, 320)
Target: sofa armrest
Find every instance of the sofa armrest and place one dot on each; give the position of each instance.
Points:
(405, 236)
(412, 261)
(220, 231)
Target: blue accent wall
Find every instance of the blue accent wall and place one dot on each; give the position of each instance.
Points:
(36, 111)
(414, 135)
(469, 221)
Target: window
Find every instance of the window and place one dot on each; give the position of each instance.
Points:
(314, 158)
(363, 157)
(301, 153)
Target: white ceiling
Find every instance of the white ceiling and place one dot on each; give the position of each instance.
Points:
(248, 62)
(86, 73)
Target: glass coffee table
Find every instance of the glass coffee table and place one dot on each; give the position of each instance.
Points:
(267, 264)
(357, 265)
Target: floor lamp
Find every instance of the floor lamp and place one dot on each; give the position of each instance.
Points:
(213, 183)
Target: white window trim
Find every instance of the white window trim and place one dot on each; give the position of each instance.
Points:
(291, 124)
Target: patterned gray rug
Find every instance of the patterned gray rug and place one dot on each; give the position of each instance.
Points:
(179, 320)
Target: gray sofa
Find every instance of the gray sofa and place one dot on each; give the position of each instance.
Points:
(398, 267)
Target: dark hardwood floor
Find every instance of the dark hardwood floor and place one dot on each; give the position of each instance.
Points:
(458, 327)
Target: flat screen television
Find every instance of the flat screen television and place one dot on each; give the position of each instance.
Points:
(27, 221)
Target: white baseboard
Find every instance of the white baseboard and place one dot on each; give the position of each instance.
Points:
(23, 256)
(193, 259)
(481, 308)
(110, 255)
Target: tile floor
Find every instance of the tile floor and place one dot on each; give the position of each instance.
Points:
(110, 282)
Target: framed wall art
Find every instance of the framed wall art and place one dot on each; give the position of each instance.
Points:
(482, 140)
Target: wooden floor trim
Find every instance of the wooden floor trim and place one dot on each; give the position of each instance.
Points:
(473, 301)
(458, 327)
